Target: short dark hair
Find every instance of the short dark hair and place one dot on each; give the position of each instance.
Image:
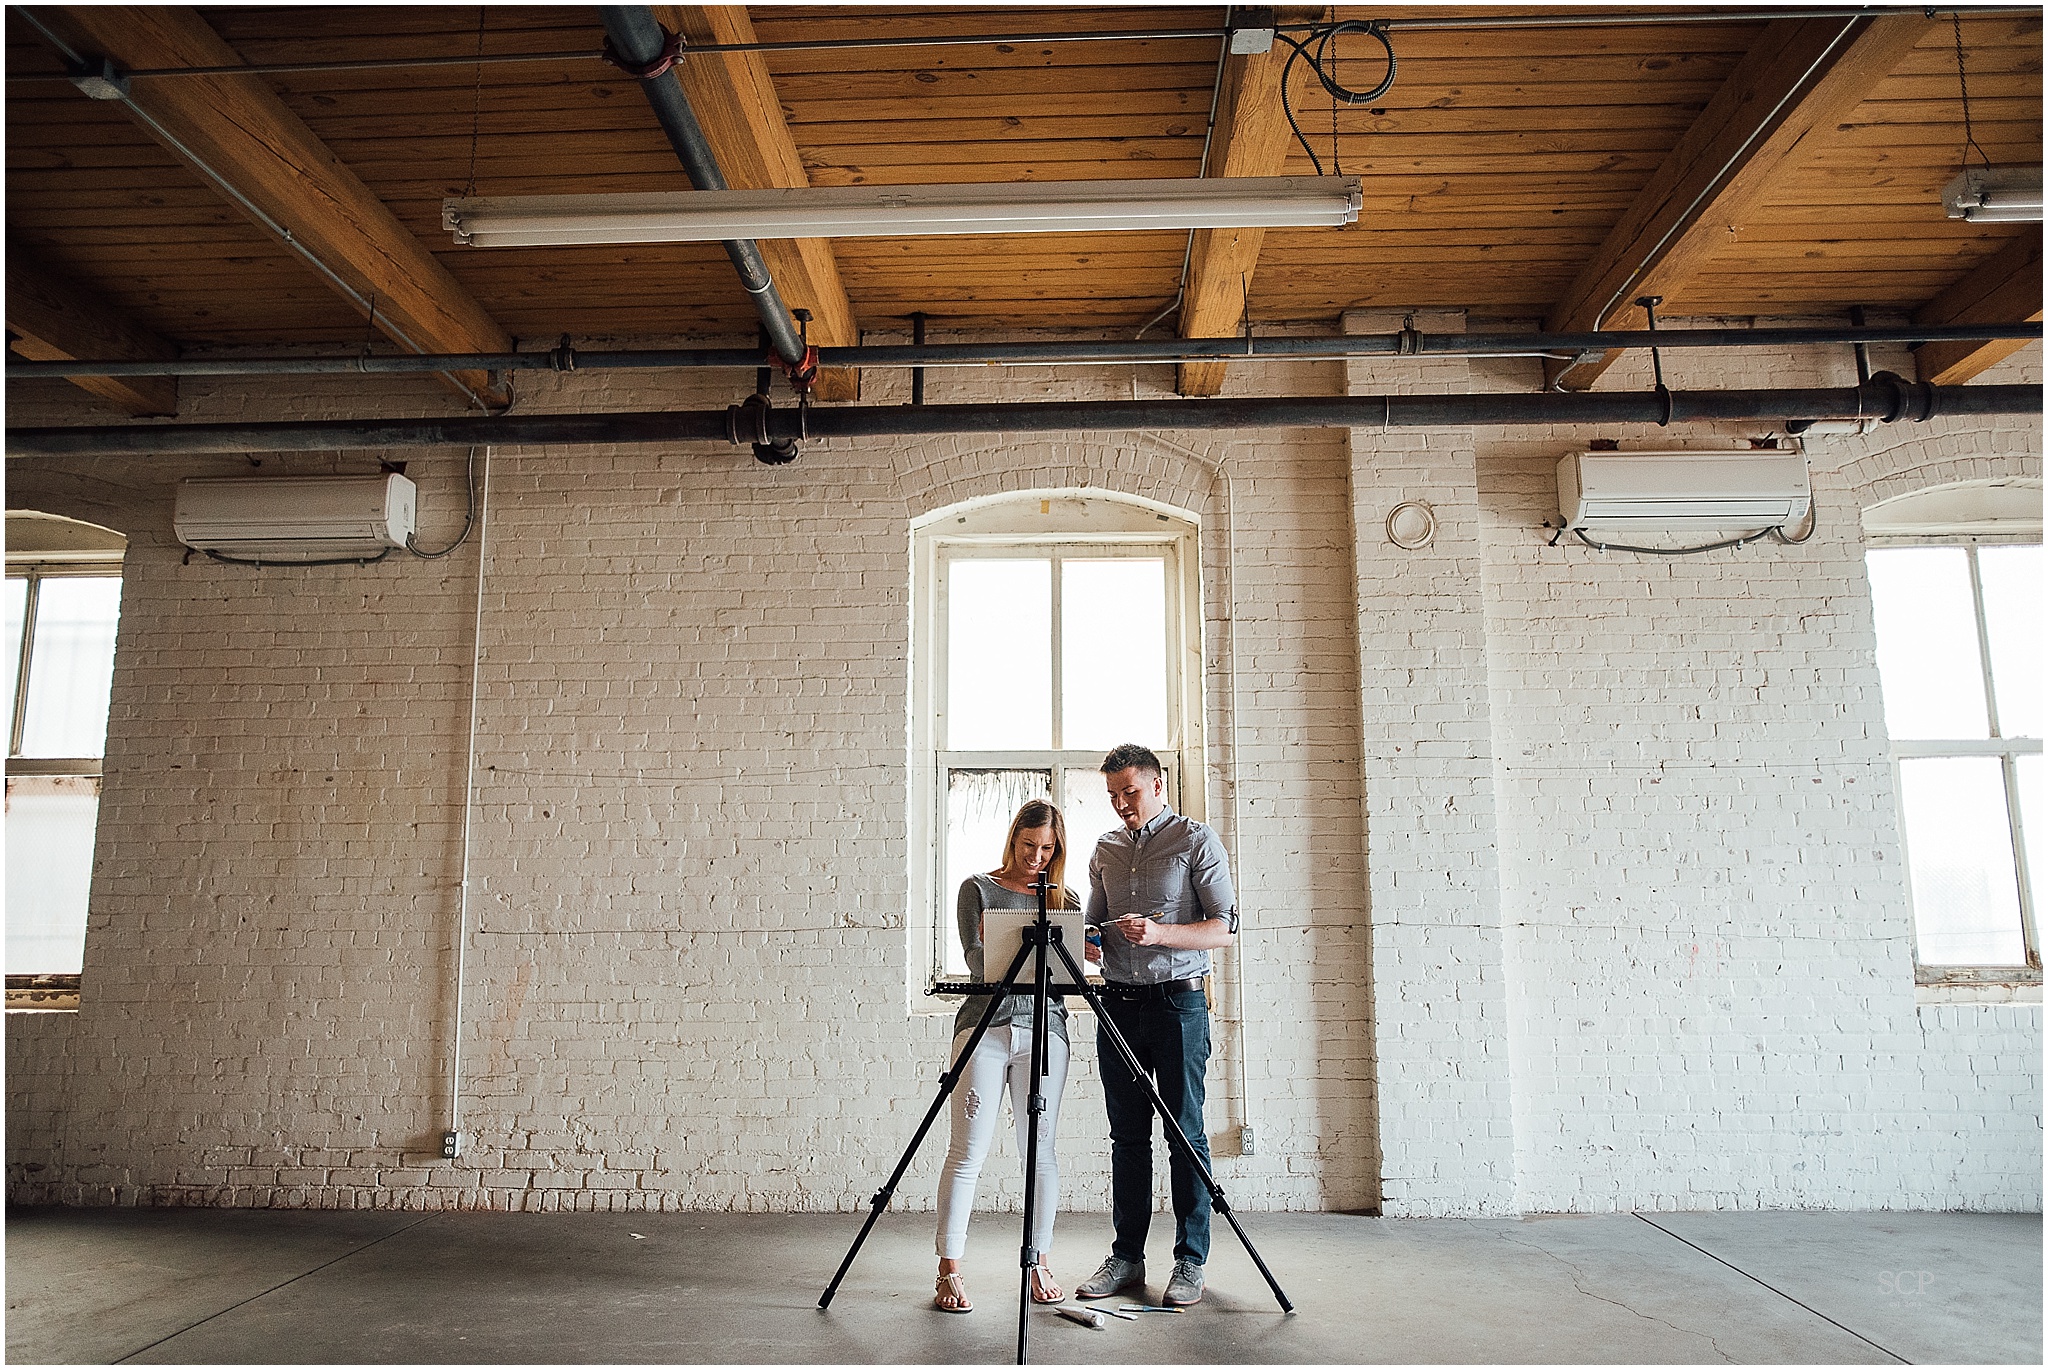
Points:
(1131, 754)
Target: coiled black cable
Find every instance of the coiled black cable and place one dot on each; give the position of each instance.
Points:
(1323, 63)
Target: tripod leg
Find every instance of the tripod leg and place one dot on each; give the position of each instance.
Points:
(947, 1082)
(1174, 1136)
(1040, 1024)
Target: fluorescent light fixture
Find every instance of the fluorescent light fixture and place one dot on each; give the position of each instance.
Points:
(1995, 195)
(697, 216)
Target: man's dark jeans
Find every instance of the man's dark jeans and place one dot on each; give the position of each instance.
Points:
(1170, 1037)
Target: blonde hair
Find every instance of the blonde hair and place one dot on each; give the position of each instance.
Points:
(1041, 813)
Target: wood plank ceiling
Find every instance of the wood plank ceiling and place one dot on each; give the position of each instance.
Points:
(1495, 170)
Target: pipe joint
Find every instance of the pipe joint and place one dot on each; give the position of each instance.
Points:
(654, 67)
(1898, 398)
(801, 374)
(747, 422)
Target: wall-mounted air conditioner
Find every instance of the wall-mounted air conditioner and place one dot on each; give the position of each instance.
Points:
(296, 518)
(1762, 488)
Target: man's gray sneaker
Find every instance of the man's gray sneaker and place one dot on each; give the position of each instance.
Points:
(1115, 1275)
(1186, 1284)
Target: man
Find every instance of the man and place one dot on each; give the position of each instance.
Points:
(1160, 891)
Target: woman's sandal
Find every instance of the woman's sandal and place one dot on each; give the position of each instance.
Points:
(1043, 1290)
(952, 1294)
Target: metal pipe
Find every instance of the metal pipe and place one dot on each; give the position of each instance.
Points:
(1103, 351)
(637, 37)
(917, 372)
(1885, 398)
(1608, 18)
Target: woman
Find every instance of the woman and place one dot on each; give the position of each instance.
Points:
(1037, 842)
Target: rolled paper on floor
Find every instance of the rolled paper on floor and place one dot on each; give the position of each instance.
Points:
(1085, 1316)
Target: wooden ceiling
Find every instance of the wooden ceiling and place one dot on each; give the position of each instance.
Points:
(1505, 170)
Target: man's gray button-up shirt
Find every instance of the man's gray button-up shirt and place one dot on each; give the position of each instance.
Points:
(1173, 865)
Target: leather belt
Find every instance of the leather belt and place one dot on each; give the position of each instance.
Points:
(1159, 991)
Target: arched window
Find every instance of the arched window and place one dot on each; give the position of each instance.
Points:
(1050, 627)
(1955, 581)
(63, 601)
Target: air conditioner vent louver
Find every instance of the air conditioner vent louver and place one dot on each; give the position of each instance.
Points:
(1753, 489)
(291, 518)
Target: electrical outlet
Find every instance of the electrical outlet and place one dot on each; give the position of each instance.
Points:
(451, 1145)
(1247, 1141)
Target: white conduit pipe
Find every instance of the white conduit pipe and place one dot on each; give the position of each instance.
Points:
(476, 656)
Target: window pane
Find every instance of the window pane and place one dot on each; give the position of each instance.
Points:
(979, 807)
(1959, 849)
(17, 612)
(1927, 643)
(2033, 818)
(1084, 803)
(2012, 619)
(998, 655)
(71, 666)
(49, 868)
(1113, 653)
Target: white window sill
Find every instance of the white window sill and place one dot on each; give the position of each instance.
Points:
(1976, 994)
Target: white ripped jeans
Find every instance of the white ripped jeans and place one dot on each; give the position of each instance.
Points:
(1002, 1060)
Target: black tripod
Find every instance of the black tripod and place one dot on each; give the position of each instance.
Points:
(1041, 942)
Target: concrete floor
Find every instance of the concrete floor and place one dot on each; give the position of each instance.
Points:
(240, 1286)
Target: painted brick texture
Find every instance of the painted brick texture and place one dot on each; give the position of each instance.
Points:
(1711, 979)
(685, 981)
(1569, 883)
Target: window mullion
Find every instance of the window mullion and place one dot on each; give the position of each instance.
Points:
(1983, 642)
(1175, 630)
(2010, 767)
(1056, 656)
(942, 647)
(28, 637)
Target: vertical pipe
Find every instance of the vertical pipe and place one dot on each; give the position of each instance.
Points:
(917, 372)
(476, 658)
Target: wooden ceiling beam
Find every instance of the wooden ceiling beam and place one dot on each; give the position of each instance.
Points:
(2006, 288)
(1251, 139)
(734, 100)
(1801, 79)
(53, 318)
(237, 129)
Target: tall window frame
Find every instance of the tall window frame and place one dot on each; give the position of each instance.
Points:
(1054, 526)
(2001, 745)
(99, 556)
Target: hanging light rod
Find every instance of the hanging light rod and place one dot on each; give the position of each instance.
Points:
(1516, 21)
(695, 216)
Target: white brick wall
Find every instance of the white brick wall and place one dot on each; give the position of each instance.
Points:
(1710, 942)
(1569, 882)
(1431, 830)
